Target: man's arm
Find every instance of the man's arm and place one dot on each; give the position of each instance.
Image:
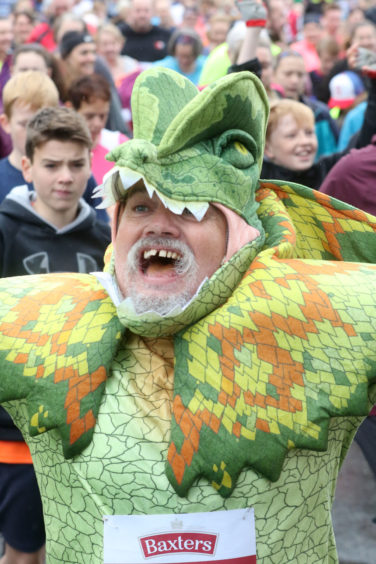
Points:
(254, 16)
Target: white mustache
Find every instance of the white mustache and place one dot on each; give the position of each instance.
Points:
(185, 263)
(186, 266)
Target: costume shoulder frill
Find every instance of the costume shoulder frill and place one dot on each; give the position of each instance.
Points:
(58, 335)
(293, 346)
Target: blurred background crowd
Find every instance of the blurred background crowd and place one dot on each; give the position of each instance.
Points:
(302, 53)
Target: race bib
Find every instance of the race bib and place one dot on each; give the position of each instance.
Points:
(226, 537)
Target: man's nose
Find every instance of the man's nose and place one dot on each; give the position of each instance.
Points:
(97, 122)
(65, 174)
(163, 223)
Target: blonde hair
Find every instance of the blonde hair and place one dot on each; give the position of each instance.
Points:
(328, 45)
(110, 28)
(302, 114)
(215, 18)
(32, 88)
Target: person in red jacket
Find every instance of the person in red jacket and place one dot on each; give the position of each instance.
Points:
(43, 33)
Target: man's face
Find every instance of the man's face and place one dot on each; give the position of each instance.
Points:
(312, 33)
(16, 125)
(22, 27)
(291, 75)
(95, 112)
(59, 7)
(59, 171)
(190, 17)
(185, 57)
(140, 15)
(69, 25)
(331, 21)
(161, 258)
(30, 61)
(355, 16)
(277, 15)
(6, 36)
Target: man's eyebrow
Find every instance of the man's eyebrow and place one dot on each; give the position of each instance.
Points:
(57, 161)
(50, 160)
(136, 189)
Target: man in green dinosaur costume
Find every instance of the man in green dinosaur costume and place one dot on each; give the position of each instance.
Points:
(221, 363)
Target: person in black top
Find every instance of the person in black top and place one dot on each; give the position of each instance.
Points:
(50, 229)
(144, 41)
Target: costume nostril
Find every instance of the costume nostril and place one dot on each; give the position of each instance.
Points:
(141, 155)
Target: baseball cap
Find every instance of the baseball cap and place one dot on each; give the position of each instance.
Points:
(344, 88)
(71, 39)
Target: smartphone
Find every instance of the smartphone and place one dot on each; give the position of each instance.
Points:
(365, 58)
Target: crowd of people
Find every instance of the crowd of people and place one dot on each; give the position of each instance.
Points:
(67, 74)
(302, 50)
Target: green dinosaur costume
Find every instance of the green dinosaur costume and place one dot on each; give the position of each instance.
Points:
(249, 396)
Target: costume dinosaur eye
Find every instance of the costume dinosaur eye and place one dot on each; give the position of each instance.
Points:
(236, 148)
(240, 147)
(237, 155)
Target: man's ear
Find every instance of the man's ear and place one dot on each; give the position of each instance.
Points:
(26, 166)
(119, 208)
(4, 122)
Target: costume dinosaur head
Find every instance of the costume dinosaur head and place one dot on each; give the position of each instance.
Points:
(194, 147)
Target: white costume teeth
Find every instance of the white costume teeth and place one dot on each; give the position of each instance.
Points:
(119, 179)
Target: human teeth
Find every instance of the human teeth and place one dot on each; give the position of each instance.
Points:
(161, 253)
(150, 253)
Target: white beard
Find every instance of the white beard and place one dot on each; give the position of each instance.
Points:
(186, 268)
(162, 305)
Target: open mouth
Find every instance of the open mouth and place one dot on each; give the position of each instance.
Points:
(160, 261)
(304, 154)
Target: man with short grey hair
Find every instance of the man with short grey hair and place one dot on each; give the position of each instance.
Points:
(144, 41)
